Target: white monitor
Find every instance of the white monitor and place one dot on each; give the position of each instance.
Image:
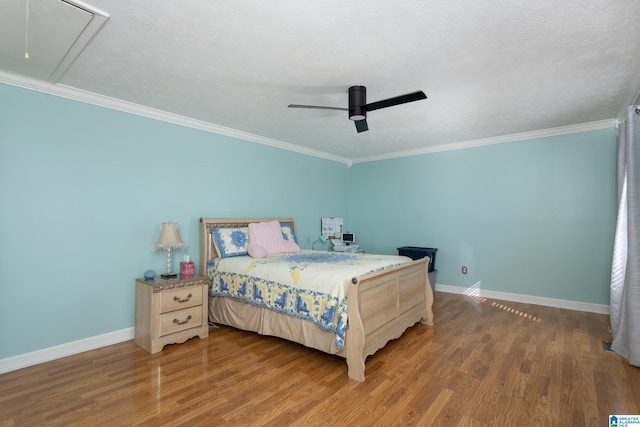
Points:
(348, 238)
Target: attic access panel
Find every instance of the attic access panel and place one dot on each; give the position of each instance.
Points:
(57, 32)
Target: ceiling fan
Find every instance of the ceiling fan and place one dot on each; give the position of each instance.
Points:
(358, 106)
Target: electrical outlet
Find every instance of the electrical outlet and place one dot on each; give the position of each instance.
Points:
(464, 269)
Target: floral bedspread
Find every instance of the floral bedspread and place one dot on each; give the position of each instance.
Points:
(311, 285)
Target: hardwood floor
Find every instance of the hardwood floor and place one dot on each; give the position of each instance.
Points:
(484, 362)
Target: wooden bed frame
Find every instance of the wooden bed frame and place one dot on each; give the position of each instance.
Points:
(381, 305)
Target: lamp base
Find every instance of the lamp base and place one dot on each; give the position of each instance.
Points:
(169, 276)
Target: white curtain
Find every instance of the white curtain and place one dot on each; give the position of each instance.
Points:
(625, 272)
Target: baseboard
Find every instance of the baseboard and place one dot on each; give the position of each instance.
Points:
(526, 299)
(20, 361)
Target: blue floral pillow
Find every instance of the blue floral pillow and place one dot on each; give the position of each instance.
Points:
(287, 232)
(231, 241)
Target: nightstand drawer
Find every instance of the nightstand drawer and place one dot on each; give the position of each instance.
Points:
(180, 320)
(177, 299)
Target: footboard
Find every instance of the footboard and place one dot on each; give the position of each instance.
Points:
(382, 306)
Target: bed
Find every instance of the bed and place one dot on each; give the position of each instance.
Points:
(375, 306)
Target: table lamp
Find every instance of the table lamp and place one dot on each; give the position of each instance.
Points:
(169, 240)
(322, 238)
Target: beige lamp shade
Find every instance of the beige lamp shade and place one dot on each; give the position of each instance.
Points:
(169, 237)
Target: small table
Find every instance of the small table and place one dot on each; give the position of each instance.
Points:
(170, 311)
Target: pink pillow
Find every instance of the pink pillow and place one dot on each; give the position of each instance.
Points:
(269, 236)
(257, 251)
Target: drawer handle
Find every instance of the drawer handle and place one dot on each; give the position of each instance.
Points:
(182, 300)
(176, 321)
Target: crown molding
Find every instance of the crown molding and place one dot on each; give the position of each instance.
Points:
(139, 110)
(562, 130)
(68, 92)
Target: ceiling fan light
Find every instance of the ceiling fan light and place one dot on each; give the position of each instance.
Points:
(357, 103)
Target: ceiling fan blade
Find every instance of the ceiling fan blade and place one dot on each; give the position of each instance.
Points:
(361, 125)
(402, 99)
(316, 107)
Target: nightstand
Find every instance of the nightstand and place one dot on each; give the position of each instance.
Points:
(170, 311)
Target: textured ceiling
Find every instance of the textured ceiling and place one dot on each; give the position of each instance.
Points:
(488, 69)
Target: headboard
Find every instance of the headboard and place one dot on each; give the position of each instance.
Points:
(207, 248)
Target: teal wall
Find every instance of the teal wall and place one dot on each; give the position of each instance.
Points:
(534, 217)
(84, 189)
